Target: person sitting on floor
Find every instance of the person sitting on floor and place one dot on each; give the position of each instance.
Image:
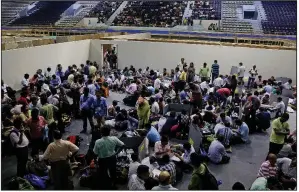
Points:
(165, 164)
(183, 152)
(133, 165)
(242, 134)
(224, 119)
(217, 153)
(287, 169)
(263, 119)
(137, 181)
(269, 167)
(287, 149)
(264, 184)
(226, 132)
(162, 147)
(171, 121)
(164, 182)
(155, 109)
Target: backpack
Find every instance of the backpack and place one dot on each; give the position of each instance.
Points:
(75, 139)
(10, 148)
(36, 181)
(18, 183)
(209, 181)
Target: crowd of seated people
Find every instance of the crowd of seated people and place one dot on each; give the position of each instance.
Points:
(104, 10)
(35, 118)
(205, 10)
(151, 14)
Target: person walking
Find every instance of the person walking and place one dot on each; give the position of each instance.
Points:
(215, 70)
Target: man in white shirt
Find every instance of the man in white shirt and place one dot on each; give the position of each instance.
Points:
(157, 83)
(48, 74)
(134, 165)
(137, 181)
(70, 78)
(288, 85)
(117, 83)
(241, 71)
(253, 73)
(218, 82)
(155, 106)
(187, 150)
(109, 81)
(54, 97)
(20, 142)
(25, 81)
(280, 106)
(204, 85)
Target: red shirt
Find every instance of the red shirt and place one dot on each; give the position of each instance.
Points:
(23, 100)
(36, 127)
(223, 91)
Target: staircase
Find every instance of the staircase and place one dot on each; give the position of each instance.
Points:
(117, 12)
(70, 21)
(260, 10)
(188, 11)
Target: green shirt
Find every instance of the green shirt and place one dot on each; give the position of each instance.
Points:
(47, 111)
(196, 181)
(105, 147)
(280, 127)
(260, 184)
(204, 72)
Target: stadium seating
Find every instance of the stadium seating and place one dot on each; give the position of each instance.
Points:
(230, 21)
(281, 17)
(209, 10)
(69, 21)
(152, 14)
(48, 13)
(104, 10)
(10, 9)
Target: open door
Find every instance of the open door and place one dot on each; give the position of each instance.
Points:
(109, 52)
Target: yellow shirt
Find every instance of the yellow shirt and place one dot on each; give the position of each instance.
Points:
(278, 126)
(183, 76)
(92, 70)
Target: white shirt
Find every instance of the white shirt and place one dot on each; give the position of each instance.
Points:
(109, 81)
(14, 138)
(53, 99)
(133, 168)
(187, 154)
(70, 78)
(45, 88)
(157, 83)
(155, 108)
(135, 183)
(253, 73)
(25, 82)
(205, 85)
(218, 82)
(117, 82)
(241, 71)
(281, 106)
(48, 74)
(287, 85)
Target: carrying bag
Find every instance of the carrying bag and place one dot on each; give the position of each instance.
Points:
(209, 181)
(75, 139)
(18, 183)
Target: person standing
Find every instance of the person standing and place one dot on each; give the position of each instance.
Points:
(58, 153)
(215, 70)
(203, 73)
(253, 73)
(20, 144)
(105, 150)
(176, 79)
(86, 107)
(100, 106)
(241, 71)
(280, 129)
(143, 112)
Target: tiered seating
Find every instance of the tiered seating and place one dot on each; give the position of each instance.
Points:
(152, 14)
(9, 9)
(281, 17)
(48, 13)
(104, 10)
(210, 10)
(230, 21)
(69, 21)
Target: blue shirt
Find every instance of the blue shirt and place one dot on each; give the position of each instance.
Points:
(215, 69)
(55, 82)
(100, 106)
(86, 70)
(216, 151)
(244, 132)
(86, 102)
(92, 89)
(60, 74)
(151, 89)
(183, 95)
(268, 88)
(153, 135)
(227, 133)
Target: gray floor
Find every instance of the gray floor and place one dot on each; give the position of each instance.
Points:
(244, 165)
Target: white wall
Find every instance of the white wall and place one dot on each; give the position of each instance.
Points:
(17, 62)
(167, 55)
(205, 23)
(132, 36)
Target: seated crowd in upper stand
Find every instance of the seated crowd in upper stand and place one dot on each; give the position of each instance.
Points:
(104, 10)
(221, 114)
(151, 14)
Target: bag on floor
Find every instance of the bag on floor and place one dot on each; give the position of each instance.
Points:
(18, 183)
(75, 139)
(36, 181)
(38, 168)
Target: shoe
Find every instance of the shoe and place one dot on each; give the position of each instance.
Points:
(229, 150)
(83, 131)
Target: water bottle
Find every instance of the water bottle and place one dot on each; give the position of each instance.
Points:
(219, 182)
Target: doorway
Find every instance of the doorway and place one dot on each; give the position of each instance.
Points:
(109, 55)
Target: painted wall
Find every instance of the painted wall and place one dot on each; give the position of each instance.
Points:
(167, 55)
(133, 36)
(17, 62)
(205, 23)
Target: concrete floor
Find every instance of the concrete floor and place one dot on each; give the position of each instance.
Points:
(243, 167)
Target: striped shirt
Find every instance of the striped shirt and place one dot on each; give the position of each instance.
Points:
(215, 69)
(267, 170)
(227, 133)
